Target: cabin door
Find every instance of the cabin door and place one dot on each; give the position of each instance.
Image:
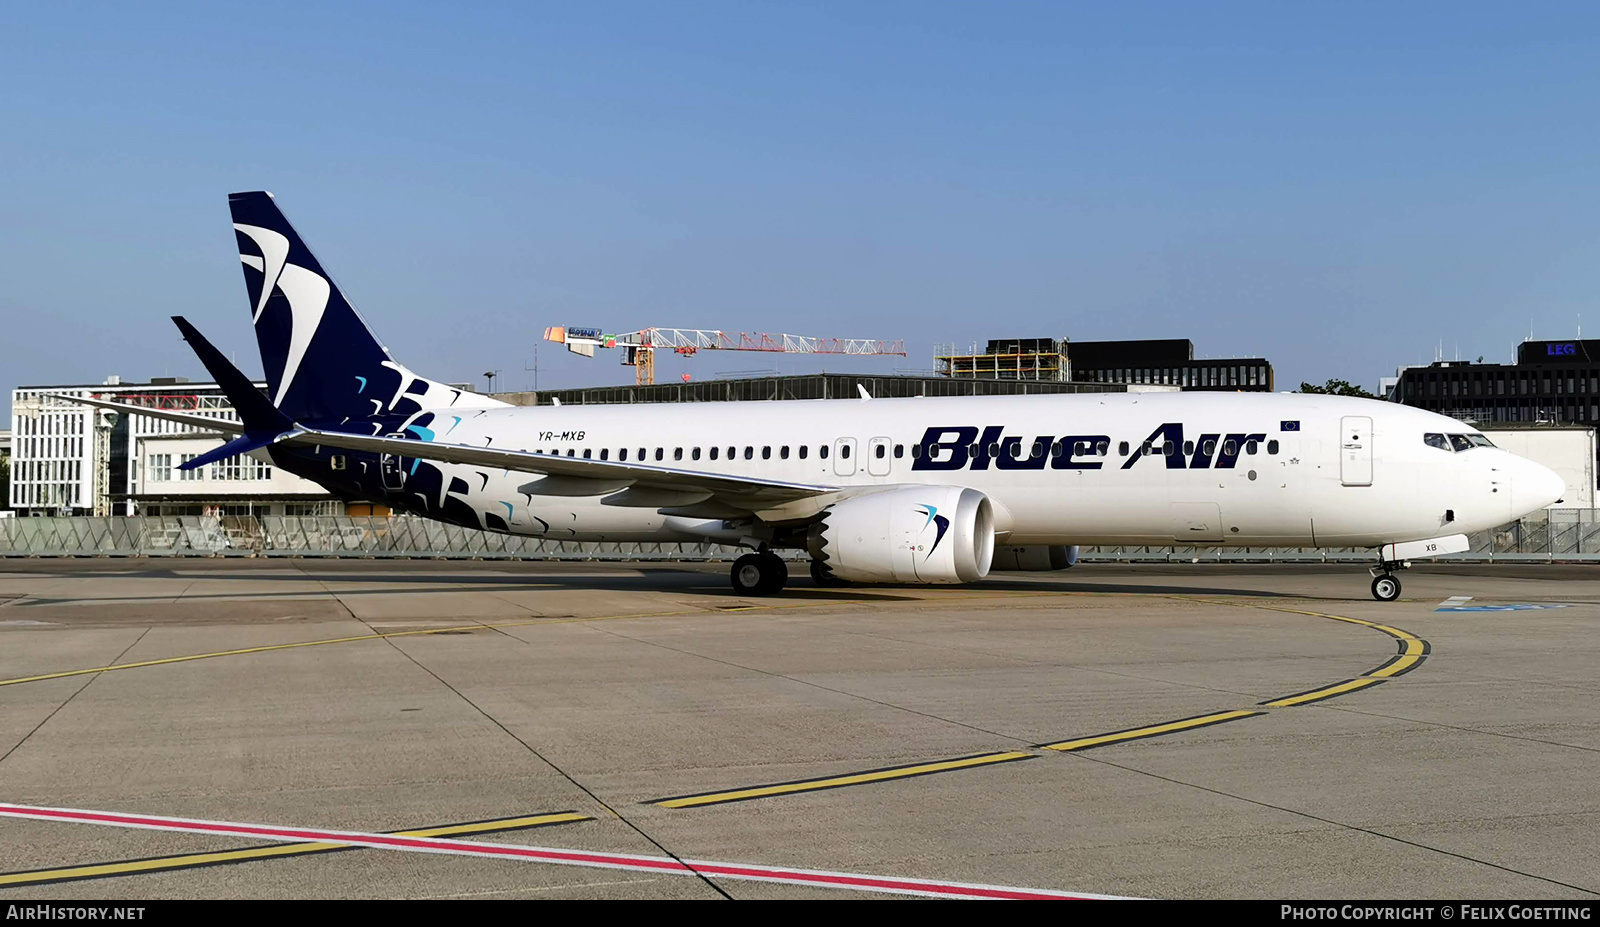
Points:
(1355, 450)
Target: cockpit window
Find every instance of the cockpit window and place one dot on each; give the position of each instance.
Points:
(1436, 440)
(1460, 443)
(1480, 441)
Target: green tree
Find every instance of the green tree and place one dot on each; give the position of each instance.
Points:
(1337, 388)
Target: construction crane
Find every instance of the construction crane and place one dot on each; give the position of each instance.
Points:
(638, 348)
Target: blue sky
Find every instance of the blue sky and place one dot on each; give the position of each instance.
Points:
(1337, 187)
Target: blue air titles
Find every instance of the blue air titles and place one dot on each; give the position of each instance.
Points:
(965, 447)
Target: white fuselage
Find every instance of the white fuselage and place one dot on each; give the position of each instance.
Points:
(1301, 470)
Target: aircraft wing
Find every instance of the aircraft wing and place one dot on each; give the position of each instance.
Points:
(182, 418)
(606, 476)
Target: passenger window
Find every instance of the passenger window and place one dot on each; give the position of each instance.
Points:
(641, 453)
(1188, 447)
(804, 449)
(783, 452)
(916, 451)
(714, 453)
(1059, 449)
(1272, 447)
(1433, 439)
(677, 453)
(622, 454)
(1460, 442)
(1169, 448)
(878, 451)
(844, 451)
(1230, 448)
(571, 452)
(1103, 449)
(899, 451)
(694, 454)
(1208, 448)
(1122, 448)
(749, 452)
(585, 453)
(1250, 447)
(822, 451)
(733, 452)
(605, 453)
(660, 453)
(766, 453)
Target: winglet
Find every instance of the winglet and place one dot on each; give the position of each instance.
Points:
(862, 389)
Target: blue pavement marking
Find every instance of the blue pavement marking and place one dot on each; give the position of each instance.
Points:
(1524, 607)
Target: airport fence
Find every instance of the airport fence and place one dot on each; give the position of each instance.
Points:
(1560, 534)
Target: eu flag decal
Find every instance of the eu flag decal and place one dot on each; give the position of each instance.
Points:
(1288, 426)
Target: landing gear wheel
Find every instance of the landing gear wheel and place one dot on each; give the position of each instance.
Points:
(1386, 588)
(782, 569)
(823, 576)
(759, 574)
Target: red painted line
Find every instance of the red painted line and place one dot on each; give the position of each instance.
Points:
(661, 864)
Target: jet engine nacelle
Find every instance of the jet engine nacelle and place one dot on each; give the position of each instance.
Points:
(1035, 557)
(916, 534)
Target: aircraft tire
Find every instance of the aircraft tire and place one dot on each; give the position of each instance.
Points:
(758, 574)
(1386, 588)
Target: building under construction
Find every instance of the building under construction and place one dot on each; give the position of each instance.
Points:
(1168, 362)
(1007, 359)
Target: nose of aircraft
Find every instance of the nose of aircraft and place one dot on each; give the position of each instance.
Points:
(1534, 486)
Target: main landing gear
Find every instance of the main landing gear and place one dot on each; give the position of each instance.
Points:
(1386, 585)
(762, 573)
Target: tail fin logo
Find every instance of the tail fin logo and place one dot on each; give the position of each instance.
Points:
(306, 291)
(274, 252)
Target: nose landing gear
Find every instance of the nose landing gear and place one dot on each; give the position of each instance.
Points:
(1386, 585)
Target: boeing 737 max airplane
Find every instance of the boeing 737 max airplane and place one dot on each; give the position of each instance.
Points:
(926, 490)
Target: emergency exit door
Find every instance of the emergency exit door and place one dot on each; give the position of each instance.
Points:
(1355, 450)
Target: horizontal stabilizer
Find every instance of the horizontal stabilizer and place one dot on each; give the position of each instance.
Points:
(243, 444)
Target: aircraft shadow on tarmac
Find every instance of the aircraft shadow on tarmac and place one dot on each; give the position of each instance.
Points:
(638, 577)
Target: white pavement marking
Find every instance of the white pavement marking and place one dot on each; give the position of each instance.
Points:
(661, 864)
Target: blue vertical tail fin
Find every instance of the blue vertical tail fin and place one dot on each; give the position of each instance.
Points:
(322, 363)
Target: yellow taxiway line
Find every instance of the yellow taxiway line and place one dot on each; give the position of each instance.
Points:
(834, 782)
(1153, 730)
(1412, 651)
(319, 643)
(196, 860)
